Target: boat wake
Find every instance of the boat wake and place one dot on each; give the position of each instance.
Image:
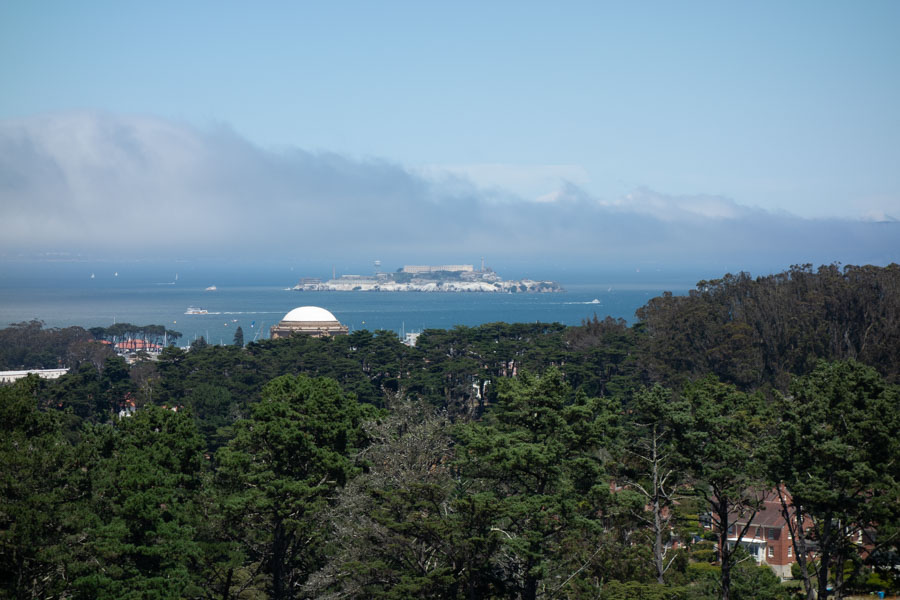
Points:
(200, 311)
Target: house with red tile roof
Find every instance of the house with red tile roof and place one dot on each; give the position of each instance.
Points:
(767, 538)
(136, 345)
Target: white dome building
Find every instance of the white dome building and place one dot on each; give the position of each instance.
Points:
(309, 320)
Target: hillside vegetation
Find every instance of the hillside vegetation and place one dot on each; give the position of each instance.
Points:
(516, 461)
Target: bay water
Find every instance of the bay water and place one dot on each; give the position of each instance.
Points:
(88, 296)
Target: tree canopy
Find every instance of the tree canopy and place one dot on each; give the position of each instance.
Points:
(518, 461)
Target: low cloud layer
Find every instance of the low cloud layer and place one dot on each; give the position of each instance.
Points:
(100, 184)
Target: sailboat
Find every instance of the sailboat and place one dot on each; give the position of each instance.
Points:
(258, 331)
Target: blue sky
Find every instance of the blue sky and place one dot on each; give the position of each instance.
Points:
(781, 110)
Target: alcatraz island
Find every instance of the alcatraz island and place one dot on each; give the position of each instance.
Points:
(428, 278)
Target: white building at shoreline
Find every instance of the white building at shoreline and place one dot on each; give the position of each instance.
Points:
(10, 376)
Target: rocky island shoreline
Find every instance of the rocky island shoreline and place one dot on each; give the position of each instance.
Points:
(428, 278)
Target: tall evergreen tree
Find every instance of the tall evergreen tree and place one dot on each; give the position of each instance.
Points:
(407, 527)
(720, 436)
(280, 473)
(536, 465)
(33, 475)
(838, 454)
(146, 475)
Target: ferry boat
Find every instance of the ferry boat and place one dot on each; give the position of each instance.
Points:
(211, 288)
(193, 310)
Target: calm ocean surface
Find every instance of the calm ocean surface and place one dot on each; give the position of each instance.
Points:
(71, 297)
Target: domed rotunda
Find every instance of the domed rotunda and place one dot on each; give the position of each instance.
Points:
(310, 320)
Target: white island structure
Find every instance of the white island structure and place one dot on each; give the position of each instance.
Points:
(428, 278)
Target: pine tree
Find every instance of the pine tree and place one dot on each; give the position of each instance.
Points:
(535, 465)
(34, 466)
(838, 454)
(281, 471)
(140, 537)
(720, 438)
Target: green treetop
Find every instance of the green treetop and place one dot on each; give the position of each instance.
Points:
(280, 472)
(838, 454)
(536, 464)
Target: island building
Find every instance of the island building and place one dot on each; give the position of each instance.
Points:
(309, 320)
(427, 278)
(416, 269)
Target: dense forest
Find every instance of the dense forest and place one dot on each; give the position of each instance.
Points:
(518, 461)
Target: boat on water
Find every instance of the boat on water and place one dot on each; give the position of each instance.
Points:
(211, 288)
(193, 310)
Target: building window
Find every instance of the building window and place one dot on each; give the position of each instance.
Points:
(790, 551)
(771, 552)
